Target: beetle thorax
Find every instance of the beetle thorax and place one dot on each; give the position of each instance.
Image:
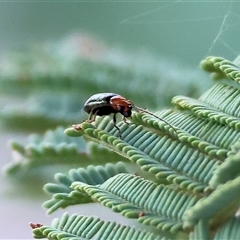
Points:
(121, 105)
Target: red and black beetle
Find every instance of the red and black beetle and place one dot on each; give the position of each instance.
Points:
(106, 103)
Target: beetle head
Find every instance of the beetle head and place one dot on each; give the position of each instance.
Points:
(121, 105)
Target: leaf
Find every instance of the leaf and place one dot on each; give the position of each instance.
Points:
(217, 207)
(52, 148)
(63, 195)
(156, 205)
(221, 68)
(56, 149)
(203, 110)
(201, 230)
(200, 157)
(194, 149)
(87, 228)
(229, 230)
(208, 65)
(156, 152)
(229, 169)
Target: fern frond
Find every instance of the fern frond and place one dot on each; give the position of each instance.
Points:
(221, 68)
(155, 152)
(52, 148)
(229, 230)
(229, 169)
(89, 228)
(155, 205)
(63, 195)
(197, 153)
(207, 112)
(217, 207)
(183, 135)
(200, 156)
(55, 148)
(201, 231)
(223, 98)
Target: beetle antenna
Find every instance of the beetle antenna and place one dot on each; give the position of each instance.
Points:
(138, 109)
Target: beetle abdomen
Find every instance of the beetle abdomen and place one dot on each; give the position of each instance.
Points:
(99, 104)
(103, 110)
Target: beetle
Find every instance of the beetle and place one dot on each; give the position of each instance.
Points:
(101, 104)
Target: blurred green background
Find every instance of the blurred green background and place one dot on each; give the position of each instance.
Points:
(186, 31)
(172, 36)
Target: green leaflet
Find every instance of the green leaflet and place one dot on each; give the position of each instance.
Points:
(163, 155)
(189, 136)
(204, 136)
(229, 169)
(217, 207)
(155, 205)
(63, 195)
(207, 112)
(52, 148)
(229, 230)
(87, 228)
(223, 98)
(199, 162)
(203, 156)
(201, 231)
(55, 148)
(208, 65)
(221, 68)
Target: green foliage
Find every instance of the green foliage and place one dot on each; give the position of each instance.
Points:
(56, 149)
(189, 174)
(199, 161)
(156, 152)
(64, 195)
(42, 89)
(152, 204)
(200, 231)
(217, 207)
(229, 168)
(87, 228)
(229, 230)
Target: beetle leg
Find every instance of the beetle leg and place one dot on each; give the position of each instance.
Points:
(125, 120)
(92, 117)
(115, 125)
